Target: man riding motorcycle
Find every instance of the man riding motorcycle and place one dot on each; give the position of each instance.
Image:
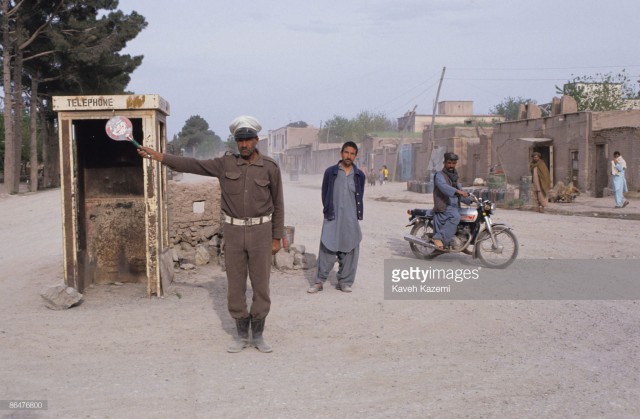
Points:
(447, 195)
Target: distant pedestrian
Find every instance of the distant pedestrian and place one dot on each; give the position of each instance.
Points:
(343, 206)
(618, 169)
(372, 177)
(541, 180)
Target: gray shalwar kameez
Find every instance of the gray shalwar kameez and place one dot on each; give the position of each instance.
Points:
(341, 236)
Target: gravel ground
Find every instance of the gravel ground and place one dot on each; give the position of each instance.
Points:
(122, 355)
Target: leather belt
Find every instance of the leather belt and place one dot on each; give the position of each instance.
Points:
(247, 221)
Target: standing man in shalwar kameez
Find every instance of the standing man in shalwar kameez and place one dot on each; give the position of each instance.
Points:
(342, 200)
(618, 169)
(540, 180)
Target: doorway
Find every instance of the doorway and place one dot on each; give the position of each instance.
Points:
(602, 170)
(546, 155)
(111, 207)
(405, 157)
(575, 165)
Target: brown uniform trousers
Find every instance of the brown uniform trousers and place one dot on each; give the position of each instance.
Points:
(248, 250)
(247, 190)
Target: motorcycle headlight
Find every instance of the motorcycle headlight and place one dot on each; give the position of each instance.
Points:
(489, 207)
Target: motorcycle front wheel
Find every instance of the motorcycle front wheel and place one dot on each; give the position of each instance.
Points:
(423, 231)
(499, 256)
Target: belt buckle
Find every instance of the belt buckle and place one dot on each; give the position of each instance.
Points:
(247, 221)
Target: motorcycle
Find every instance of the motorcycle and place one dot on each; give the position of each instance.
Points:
(494, 244)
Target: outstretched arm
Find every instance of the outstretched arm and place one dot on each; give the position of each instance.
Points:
(149, 153)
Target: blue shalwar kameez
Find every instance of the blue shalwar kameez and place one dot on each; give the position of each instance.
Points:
(619, 184)
(446, 222)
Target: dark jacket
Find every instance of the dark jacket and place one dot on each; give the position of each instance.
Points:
(444, 192)
(329, 180)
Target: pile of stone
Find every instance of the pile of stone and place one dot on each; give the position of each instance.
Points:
(295, 257)
(197, 246)
(210, 249)
(195, 231)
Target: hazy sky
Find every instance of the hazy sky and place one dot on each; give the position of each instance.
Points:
(290, 60)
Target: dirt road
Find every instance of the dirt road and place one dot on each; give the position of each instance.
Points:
(122, 355)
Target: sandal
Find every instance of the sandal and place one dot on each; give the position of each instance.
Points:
(438, 244)
(315, 288)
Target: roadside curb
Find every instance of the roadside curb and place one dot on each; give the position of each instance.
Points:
(581, 213)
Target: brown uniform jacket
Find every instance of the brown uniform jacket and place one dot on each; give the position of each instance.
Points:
(248, 190)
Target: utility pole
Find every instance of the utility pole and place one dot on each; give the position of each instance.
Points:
(433, 123)
(410, 115)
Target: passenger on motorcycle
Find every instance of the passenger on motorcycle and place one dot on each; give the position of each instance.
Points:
(447, 194)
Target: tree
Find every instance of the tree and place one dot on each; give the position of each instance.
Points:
(601, 92)
(10, 168)
(23, 22)
(231, 145)
(340, 129)
(298, 124)
(197, 140)
(510, 107)
(57, 47)
(335, 130)
(367, 122)
(80, 54)
(2, 143)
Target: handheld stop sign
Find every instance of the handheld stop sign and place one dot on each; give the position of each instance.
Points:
(119, 128)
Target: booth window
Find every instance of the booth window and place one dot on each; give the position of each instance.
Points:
(106, 167)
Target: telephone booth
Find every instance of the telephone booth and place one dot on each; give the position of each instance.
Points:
(114, 210)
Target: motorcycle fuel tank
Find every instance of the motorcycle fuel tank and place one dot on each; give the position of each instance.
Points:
(468, 215)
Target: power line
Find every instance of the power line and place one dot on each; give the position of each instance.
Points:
(413, 99)
(501, 79)
(543, 68)
(411, 90)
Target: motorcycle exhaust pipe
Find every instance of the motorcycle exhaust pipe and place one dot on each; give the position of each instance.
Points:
(418, 240)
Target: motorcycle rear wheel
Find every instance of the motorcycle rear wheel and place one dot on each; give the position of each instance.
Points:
(506, 252)
(423, 231)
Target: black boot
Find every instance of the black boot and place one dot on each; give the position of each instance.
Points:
(242, 341)
(257, 327)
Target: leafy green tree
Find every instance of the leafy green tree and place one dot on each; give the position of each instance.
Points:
(58, 47)
(510, 107)
(298, 124)
(367, 122)
(231, 145)
(86, 48)
(197, 140)
(601, 92)
(340, 129)
(335, 130)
